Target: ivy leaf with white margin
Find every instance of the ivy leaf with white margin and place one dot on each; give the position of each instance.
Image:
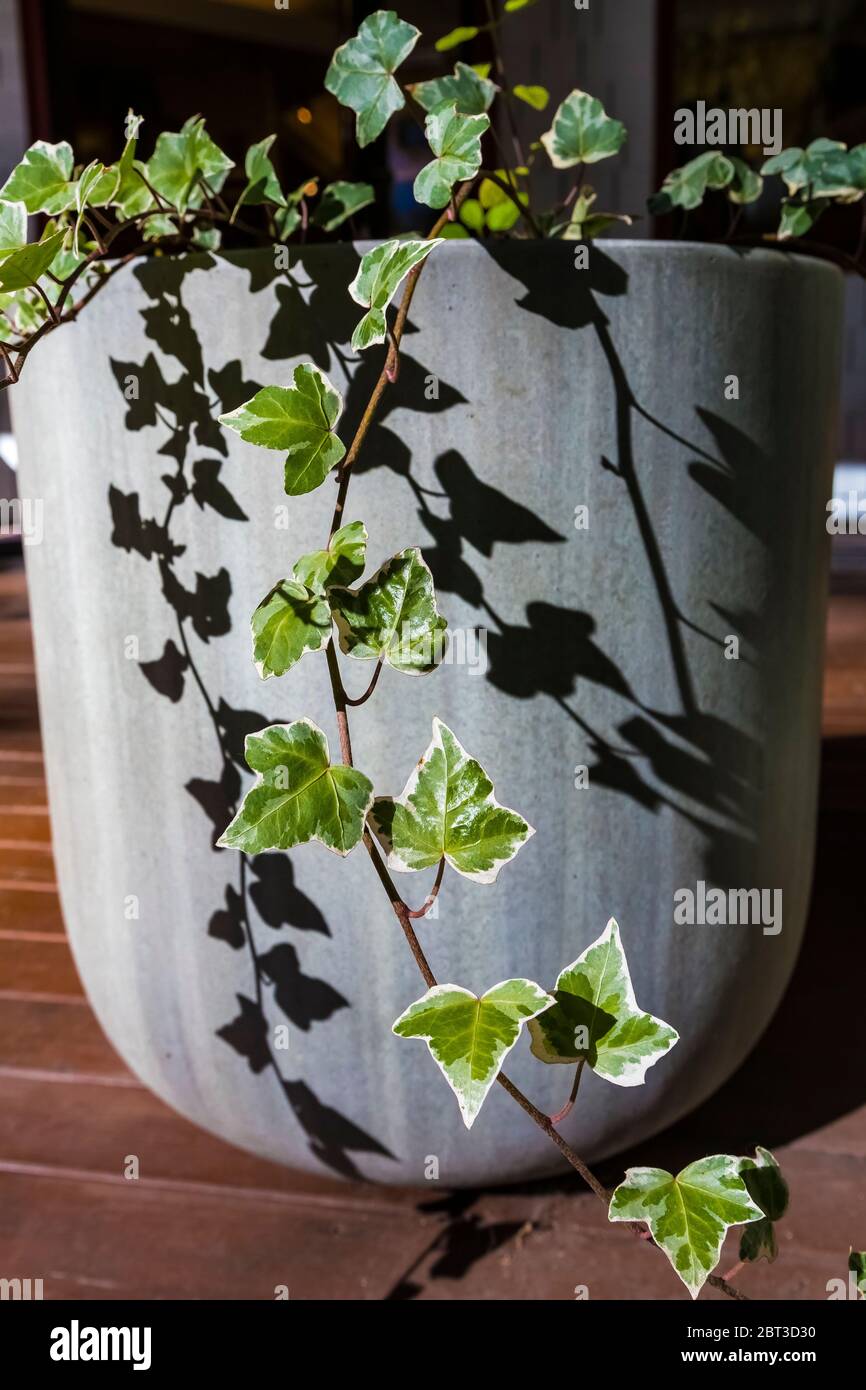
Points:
(582, 132)
(766, 1186)
(96, 187)
(299, 419)
(339, 201)
(182, 159)
(361, 72)
(43, 179)
(341, 563)
(470, 1037)
(377, 281)
(688, 1215)
(447, 810)
(393, 617)
(455, 140)
(596, 1017)
(299, 796)
(262, 184)
(746, 186)
(685, 187)
(13, 228)
(291, 620)
(467, 89)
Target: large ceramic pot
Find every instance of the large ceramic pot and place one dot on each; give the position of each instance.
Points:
(595, 495)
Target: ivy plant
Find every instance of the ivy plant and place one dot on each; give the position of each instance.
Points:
(446, 820)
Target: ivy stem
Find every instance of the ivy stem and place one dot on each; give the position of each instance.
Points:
(362, 699)
(432, 895)
(569, 1104)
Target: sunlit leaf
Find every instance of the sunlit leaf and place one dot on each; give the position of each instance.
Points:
(182, 160)
(24, 267)
(470, 1037)
(688, 1215)
(393, 617)
(262, 184)
(455, 140)
(299, 419)
(289, 621)
(596, 1017)
(447, 810)
(43, 179)
(536, 97)
(299, 796)
(462, 34)
(582, 132)
(361, 72)
(471, 93)
(13, 228)
(379, 275)
(342, 563)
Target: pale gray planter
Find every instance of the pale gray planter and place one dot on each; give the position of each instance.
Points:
(557, 389)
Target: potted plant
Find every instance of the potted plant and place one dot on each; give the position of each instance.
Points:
(583, 557)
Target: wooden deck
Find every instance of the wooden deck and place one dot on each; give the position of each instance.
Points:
(206, 1221)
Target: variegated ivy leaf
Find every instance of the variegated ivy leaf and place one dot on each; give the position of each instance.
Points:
(688, 1215)
(393, 617)
(825, 169)
(262, 184)
(799, 218)
(299, 419)
(469, 1038)
(299, 796)
(340, 201)
(361, 72)
(766, 1186)
(96, 186)
(447, 810)
(746, 186)
(469, 91)
(13, 228)
(341, 563)
(133, 197)
(43, 179)
(455, 140)
(685, 187)
(582, 132)
(379, 275)
(291, 620)
(182, 160)
(596, 1017)
(24, 267)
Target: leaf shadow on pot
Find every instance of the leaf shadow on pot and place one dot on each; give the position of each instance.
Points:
(186, 411)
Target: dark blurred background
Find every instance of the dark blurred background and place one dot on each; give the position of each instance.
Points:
(70, 69)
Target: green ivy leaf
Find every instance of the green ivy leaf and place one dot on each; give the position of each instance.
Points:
(799, 218)
(470, 1037)
(182, 159)
(300, 419)
(291, 620)
(685, 187)
(340, 201)
(857, 1263)
(447, 810)
(262, 185)
(511, 6)
(24, 267)
(536, 97)
(582, 132)
(766, 1187)
(43, 179)
(455, 140)
(376, 283)
(393, 617)
(341, 563)
(469, 91)
(462, 34)
(96, 186)
(596, 1017)
(13, 228)
(133, 197)
(361, 72)
(825, 169)
(746, 186)
(688, 1215)
(299, 796)
(472, 213)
